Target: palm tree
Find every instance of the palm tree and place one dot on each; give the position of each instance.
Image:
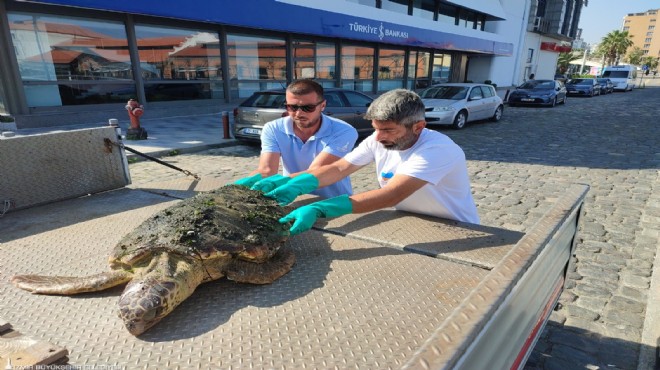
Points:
(564, 60)
(614, 46)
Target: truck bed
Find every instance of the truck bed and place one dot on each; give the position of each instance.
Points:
(380, 290)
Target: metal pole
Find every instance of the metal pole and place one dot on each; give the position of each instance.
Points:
(225, 124)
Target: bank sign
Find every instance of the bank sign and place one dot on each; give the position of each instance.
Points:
(294, 17)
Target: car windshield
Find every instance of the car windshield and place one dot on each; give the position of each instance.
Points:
(445, 92)
(602, 80)
(615, 74)
(538, 85)
(265, 100)
(581, 81)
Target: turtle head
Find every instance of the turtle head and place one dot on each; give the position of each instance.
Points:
(145, 302)
(154, 293)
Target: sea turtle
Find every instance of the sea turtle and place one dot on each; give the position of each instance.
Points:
(231, 231)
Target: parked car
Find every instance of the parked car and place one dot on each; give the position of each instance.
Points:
(456, 104)
(583, 87)
(538, 92)
(265, 106)
(606, 85)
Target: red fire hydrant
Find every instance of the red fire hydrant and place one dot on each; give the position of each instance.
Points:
(135, 111)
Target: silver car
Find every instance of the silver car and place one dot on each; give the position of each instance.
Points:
(456, 104)
(265, 106)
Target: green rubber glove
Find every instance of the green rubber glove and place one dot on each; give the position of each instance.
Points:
(304, 217)
(248, 181)
(270, 183)
(299, 185)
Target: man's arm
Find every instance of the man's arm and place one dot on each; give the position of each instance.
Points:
(397, 189)
(269, 164)
(330, 174)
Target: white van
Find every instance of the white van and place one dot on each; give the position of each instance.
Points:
(623, 77)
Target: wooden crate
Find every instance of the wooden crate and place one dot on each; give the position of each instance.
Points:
(17, 349)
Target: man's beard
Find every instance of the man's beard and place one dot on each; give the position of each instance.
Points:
(402, 143)
(306, 123)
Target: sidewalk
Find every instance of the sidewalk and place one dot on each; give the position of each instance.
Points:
(184, 134)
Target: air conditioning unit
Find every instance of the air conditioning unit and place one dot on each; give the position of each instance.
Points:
(537, 23)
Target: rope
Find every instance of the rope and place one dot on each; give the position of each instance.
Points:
(121, 145)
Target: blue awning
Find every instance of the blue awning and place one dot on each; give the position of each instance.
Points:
(282, 16)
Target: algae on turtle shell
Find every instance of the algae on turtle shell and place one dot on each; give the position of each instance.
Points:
(231, 231)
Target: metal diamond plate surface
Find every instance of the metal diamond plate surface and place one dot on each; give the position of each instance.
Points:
(462, 242)
(38, 169)
(347, 302)
(181, 187)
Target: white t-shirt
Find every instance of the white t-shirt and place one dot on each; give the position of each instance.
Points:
(434, 158)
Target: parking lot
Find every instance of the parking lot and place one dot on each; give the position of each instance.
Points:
(609, 142)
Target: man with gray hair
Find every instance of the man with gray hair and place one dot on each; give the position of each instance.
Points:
(418, 170)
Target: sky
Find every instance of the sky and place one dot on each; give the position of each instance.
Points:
(604, 16)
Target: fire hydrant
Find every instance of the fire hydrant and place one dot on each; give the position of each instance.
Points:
(135, 111)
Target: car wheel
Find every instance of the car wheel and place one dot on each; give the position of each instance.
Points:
(563, 101)
(459, 120)
(498, 114)
(554, 102)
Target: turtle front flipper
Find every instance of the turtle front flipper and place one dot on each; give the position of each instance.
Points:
(67, 285)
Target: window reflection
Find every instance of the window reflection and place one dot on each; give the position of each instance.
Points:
(179, 64)
(418, 69)
(255, 63)
(70, 61)
(390, 69)
(441, 68)
(357, 68)
(314, 60)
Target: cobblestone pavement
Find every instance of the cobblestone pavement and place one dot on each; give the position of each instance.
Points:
(610, 142)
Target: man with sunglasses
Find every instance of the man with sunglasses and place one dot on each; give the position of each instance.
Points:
(419, 170)
(304, 140)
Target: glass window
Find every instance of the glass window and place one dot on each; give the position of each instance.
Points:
(399, 6)
(476, 93)
(447, 13)
(467, 19)
(71, 61)
(418, 69)
(424, 8)
(356, 100)
(487, 91)
(390, 69)
(179, 64)
(3, 107)
(255, 63)
(364, 2)
(441, 68)
(357, 68)
(314, 60)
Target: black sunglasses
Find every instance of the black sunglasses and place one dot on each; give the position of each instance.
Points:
(309, 108)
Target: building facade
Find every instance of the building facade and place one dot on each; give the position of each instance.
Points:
(641, 26)
(75, 61)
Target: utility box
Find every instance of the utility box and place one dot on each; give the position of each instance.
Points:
(38, 169)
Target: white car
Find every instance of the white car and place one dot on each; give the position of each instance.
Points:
(456, 104)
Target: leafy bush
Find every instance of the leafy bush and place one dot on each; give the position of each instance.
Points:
(6, 118)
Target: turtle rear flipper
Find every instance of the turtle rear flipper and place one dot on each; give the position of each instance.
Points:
(67, 285)
(262, 273)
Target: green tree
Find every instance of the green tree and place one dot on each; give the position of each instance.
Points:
(614, 46)
(652, 62)
(635, 56)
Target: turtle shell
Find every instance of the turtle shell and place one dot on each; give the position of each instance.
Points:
(232, 220)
